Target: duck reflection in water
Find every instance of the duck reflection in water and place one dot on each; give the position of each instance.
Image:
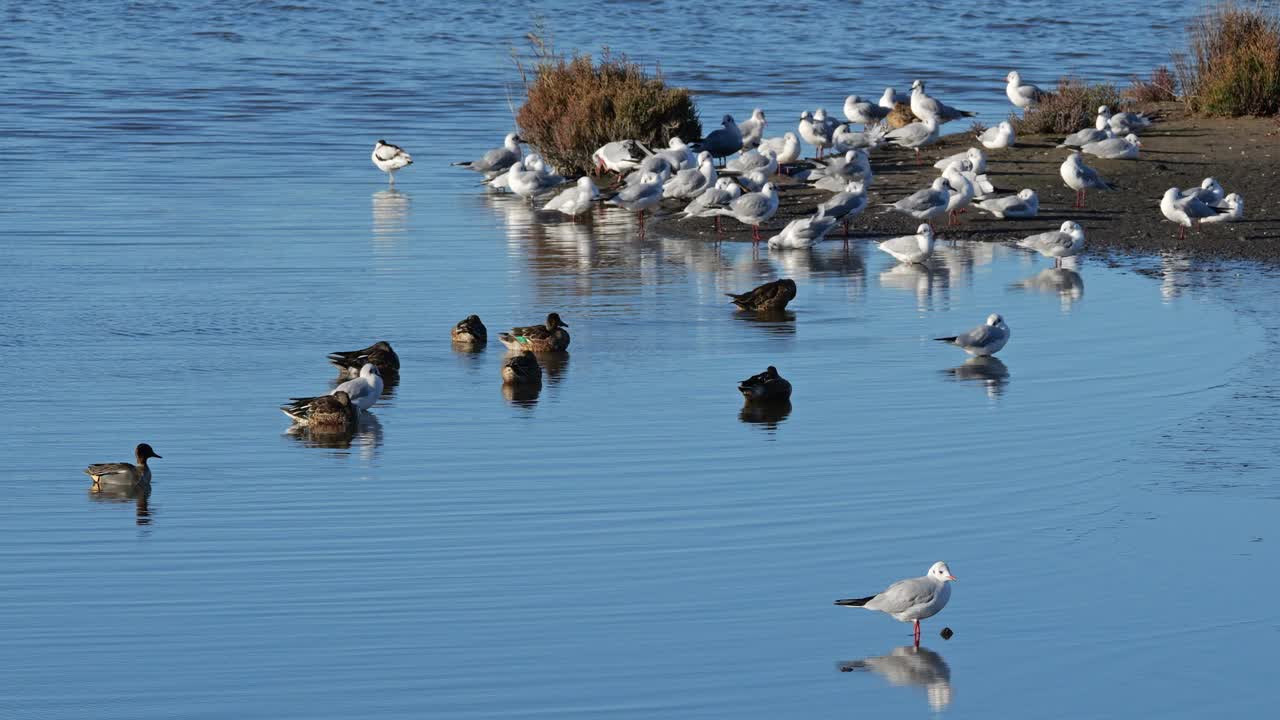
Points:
(987, 369)
(1065, 282)
(773, 322)
(365, 436)
(139, 495)
(909, 665)
(765, 413)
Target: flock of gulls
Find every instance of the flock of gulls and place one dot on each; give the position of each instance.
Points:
(729, 174)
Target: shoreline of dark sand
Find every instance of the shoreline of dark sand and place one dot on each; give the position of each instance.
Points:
(1242, 153)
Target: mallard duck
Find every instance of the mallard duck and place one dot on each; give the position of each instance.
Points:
(327, 411)
(768, 385)
(379, 354)
(551, 337)
(470, 331)
(522, 369)
(770, 296)
(124, 473)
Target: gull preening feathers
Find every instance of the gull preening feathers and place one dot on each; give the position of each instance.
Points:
(620, 156)
(786, 148)
(1114, 148)
(803, 232)
(390, 158)
(1026, 204)
(998, 137)
(911, 600)
(1185, 209)
(977, 160)
(576, 200)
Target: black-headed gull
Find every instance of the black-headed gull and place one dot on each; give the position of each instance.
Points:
(1185, 209)
(925, 204)
(977, 161)
(803, 232)
(915, 135)
(724, 192)
(864, 112)
(723, 142)
(924, 106)
(1023, 95)
(1210, 192)
(691, 182)
(1116, 148)
(844, 139)
(1066, 241)
(497, 160)
(576, 200)
(846, 204)
(998, 137)
(986, 339)
(786, 148)
(620, 156)
(678, 154)
(752, 129)
(1233, 205)
(911, 600)
(962, 191)
(364, 390)
(765, 160)
(643, 195)
(1026, 204)
(911, 249)
(1081, 177)
(892, 98)
(1101, 130)
(1123, 123)
(817, 129)
(753, 208)
(389, 158)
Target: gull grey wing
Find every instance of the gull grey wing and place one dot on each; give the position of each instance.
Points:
(750, 205)
(1055, 238)
(904, 595)
(980, 337)
(922, 200)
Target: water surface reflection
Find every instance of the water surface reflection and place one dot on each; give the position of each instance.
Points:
(990, 371)
(768, 415)
(1065, 282)
(365, 437)
(909, 665)
(139, 495)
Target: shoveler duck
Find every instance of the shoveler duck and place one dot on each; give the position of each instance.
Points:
(522, 369)
(470, 331)
(550, 337)
(379, 354)
(334, 411)
(124, 473)
(766, 386)
(770, 296)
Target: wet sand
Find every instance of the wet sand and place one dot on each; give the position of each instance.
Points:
(1242, 153)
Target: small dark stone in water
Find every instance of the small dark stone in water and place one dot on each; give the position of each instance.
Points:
(946, 633)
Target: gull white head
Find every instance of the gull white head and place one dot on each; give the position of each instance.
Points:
(675, 143)
(939, 570)
(992, 319)
(941, 184)
(806, 115)
(1013, 77)
(704, 157)
(852, 99)
(820, 115)
(1211, 184)
(769, 189)
(650, 179)
(1133, 140)
(368, 370)
(1006, 127)
(1026, 193)
(1233, 201)
(758, 115)
(511, 142)
(924, 237)
(1104, 111)
(725, 183)
(917, 85)
(1070, 227)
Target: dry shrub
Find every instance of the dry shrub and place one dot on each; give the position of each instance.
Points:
(1160, 86)
(1232, 65)
(1072, 106)
(574, 105)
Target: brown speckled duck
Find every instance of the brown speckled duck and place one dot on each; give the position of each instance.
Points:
(470, 331)
(333, 412)
(770, 296)
(124, 473)
(522, 369)
(379, 354)
(767, 386)
(551, 337)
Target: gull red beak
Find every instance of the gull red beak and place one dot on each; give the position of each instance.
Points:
(951, 577)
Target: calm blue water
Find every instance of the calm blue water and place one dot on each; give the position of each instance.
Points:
(189, 222)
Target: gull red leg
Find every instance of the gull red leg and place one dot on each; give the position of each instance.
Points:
(916, 634)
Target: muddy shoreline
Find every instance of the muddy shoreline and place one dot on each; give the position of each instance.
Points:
(1242, 153)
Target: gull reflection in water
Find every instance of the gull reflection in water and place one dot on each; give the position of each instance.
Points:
(989, 370)
(1065, 282)
(365, 437)
(925, 281)
(909, 665)
(390, 215)
(768, 415)
(138, 495)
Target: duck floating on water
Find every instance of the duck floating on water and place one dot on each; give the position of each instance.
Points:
(551, 337)
(124, 473)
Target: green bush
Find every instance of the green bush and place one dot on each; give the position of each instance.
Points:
(1232, 64)
(1070, 107)
(575, 105)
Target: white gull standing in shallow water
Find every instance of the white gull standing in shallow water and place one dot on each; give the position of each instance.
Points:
(987, 339)
(496, 161)
(1066, 241)
(803, 232)
(911, 600)
(911, 249)
(576, 200)
(389, 158)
